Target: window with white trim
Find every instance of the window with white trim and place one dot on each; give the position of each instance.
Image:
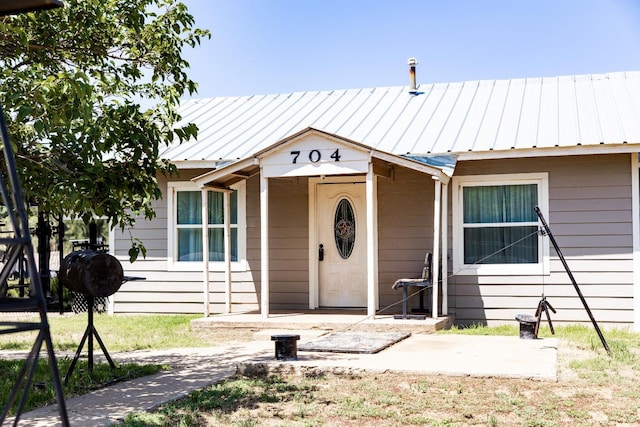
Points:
(187, 227)
(495, 224)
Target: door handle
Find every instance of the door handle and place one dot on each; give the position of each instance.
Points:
(321, 252)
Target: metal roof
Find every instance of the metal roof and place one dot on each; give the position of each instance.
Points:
(462, 117)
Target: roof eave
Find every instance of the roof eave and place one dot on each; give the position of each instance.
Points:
(573, 150)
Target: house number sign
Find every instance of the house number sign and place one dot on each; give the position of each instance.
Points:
(314, 156)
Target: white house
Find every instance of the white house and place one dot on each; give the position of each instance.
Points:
(323, 199)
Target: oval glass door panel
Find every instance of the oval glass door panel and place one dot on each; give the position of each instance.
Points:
(344, 226)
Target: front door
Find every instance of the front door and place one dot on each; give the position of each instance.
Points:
(342, 249)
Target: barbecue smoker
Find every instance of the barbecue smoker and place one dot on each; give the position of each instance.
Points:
(94, 274)
(91, 273)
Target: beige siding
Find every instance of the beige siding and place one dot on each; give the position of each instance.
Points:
(405, 231)
(288, 243)
(589, 215)
(590, 218)
(165, 291)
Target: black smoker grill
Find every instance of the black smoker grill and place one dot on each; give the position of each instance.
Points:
(94, 274)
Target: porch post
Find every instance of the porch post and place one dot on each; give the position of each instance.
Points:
(436, 247)
(635, 210)
(264, 245)
(445, 248)
(372, 244)
(227, 252)
(205, 253)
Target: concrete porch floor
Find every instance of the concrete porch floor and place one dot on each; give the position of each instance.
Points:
(325, 320)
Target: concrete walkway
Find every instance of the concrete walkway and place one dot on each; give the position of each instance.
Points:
(194, 369)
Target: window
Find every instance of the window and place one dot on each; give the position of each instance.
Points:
(187, 227)
(495, 225)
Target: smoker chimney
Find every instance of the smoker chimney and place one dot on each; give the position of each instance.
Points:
(413, 89)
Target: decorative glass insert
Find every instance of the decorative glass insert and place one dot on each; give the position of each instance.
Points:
(344, 228)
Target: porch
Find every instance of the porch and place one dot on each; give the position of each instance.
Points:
(311, 191)
(322, 320)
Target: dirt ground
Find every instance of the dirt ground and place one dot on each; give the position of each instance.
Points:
(592, 390)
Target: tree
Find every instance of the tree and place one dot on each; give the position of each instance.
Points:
(90, 93)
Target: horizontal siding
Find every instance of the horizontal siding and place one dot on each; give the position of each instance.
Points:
(405, 232)
(158, 307)
(529, 303)
(590, 217)
(288, 243)
(556, 291)
(491, 316)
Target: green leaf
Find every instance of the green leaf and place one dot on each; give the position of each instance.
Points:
(72, 82)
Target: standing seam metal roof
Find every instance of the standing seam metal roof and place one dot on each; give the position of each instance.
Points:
(442, 118)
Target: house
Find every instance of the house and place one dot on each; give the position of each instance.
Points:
(323, 199)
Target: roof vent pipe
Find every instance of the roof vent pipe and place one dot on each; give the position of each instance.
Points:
(413, 89)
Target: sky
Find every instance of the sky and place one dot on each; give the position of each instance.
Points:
(262, 47)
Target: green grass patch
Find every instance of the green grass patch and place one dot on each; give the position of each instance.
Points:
(619, 340)
(118, 332)
(477, 329)
(41, 391)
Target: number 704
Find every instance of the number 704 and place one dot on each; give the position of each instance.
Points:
(315, 156)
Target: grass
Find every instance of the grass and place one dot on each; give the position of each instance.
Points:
(594, 389)
(82, 381)
(119, 333)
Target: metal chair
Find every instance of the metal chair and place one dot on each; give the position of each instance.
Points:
(424, 282)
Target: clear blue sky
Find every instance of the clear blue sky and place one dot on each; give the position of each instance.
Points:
(281, 46)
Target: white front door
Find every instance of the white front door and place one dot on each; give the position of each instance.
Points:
(342, 244)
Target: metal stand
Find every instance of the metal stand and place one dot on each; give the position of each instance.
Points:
(544, 305)
(547, 231)
(89, 334)
(18, 242)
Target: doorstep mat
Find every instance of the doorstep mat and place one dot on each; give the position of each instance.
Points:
(354, 342)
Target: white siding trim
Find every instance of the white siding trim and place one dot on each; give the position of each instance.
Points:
(635, 212)
(205, 243)
(544, 152)
(445, 249)
(459, 268)
(264, 246)
(227, 252)
(437, 200)
(313, 245)
(372, 240)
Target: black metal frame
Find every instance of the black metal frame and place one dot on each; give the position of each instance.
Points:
(18, 243)
(89, 334)
(547, 231)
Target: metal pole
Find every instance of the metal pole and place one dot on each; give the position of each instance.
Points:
(60, 258)
(573, 280)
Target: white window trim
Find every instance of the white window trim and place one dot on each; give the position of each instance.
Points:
(215, 266)
(459, 268)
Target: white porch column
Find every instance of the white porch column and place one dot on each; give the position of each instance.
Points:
(227, 252)
(205, 252)
(445, 249)
(264, 245)
(635, 211)
(436, 247)
(372, 243)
